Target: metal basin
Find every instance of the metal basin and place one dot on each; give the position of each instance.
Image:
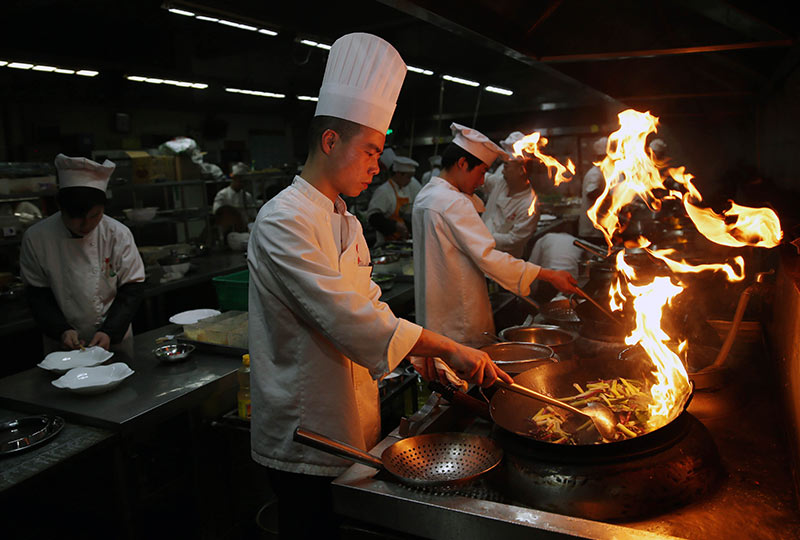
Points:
(174, 353)
(516, 357)
(561, 341)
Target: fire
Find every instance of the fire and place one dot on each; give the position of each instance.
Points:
(733, 272)
(532, 207)
(530, 144)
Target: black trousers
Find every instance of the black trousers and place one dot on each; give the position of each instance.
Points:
(305, 506)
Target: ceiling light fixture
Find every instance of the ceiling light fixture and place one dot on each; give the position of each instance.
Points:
(497, 90)
(20, 65)
(307, 98)
(253, 26)
(43, 68)
(420, 70)
(255, 93)
(170, 82)
(181, 12)
(316, 44)
(459, 80)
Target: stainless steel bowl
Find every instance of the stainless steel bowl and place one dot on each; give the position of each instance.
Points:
(516, 357)
(174, 352)
(561, 341)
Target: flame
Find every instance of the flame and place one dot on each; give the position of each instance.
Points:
(733, 272)
(530, 144)
(532, 207)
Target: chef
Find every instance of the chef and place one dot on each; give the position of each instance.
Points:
(592, 188)
(389, 209)
(235, 195)
(83, 272)
(319, 337)
(435, 162)
(454, 251)
(509, 201)
(506, 144)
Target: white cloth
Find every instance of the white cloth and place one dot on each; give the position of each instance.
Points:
(476, 143)
(229, 197)
(384, 200)
(453, 251)
(506, 216)
(82, 172)
(592, 180)
(427, 175)
(557, 252)
(83, 273)
(362, 80)
(319, 336)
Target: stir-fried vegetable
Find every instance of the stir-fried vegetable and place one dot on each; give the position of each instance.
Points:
(624, 397)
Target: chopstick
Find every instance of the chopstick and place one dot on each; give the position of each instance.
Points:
(598, 306)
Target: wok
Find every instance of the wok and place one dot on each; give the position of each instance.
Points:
(513, 357)
(438, 462)
(513, 412)
(561, 341)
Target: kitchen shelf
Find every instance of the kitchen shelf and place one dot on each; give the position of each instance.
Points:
(29, 196)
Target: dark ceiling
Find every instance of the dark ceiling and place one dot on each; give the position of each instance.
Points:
(675, 58)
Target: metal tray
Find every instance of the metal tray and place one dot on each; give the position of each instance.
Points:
(211, 347)
(24, 433)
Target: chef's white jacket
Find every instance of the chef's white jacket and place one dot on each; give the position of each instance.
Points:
(506, 216)
(84, 273)
(229, 197)
(384, 200)
(427, 175)
(453, 252)
(319, 336)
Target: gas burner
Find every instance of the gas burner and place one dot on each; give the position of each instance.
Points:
(676, 465)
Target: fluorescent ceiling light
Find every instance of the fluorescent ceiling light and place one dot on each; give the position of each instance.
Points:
(20, 65)
(43, 68)
(136, 78)
(255, 93)
(86, 72)
(65, 71)
(307, 98)
(3, 62)
(48, 69)
(420, 70)
(497, 90)
(170, 82)
(312, 43)
(181, 12)
(459, 80)
(207, 19)
(267, 32)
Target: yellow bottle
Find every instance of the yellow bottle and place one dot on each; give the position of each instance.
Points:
(243, 396)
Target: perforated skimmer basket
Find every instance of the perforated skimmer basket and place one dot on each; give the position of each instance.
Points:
(437, 461)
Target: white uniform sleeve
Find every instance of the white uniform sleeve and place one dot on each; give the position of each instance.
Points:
(128, 262)
(383, 201)
(475, 240)
(362, 328)
(219, 200)
(30, 268)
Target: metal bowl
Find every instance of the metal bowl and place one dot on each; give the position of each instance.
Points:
(561, 341)
(515, 357)
(174, 352)
(385, 259)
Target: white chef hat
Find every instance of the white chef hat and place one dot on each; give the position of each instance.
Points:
(239, 168)
(387, 157)
(658, 146)
(404, 164)
(435, 161)
(362, 80)
(82, 172)
(507, 144)
(476, 143)
(599, 146)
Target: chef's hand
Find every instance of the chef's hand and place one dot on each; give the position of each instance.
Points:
(70, 340)
(560, 279)
(475, 366)
(100, 339)
(426, 367)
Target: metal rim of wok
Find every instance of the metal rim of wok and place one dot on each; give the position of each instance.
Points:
(518, 356)
(512, 412)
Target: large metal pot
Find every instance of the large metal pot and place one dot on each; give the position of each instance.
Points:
(560, 340)
(513, 357)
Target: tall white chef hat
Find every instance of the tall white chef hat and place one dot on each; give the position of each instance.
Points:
(82, 172)
(476, 143)
(507, 144)
(387, 157)
(362, 80)
(404, 164)
(599, 146)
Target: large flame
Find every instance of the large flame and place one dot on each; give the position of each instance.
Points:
(530, 144)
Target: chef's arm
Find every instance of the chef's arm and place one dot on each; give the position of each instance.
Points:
(470, 364)
(382, 224)
(122, 310)
(46, 312)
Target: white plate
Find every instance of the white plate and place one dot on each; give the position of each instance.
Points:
(93, 380)
(547, 217)
(63, 361)
(191, 317)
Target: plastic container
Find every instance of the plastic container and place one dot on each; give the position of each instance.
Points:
(243, 395)
(232, 290)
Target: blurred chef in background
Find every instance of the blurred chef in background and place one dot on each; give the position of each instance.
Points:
(509, 200)
(389, 210)
(436, 168)
(83, 272)
(592, 188)
(235, 195)
(506, 144)
(454, 251)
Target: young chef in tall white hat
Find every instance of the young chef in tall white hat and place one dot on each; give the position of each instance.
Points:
(83, 272)
(390, 206)
(454, 251)
(319, 336)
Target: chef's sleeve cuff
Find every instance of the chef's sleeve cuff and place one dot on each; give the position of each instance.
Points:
(405, 337)
(530, 274)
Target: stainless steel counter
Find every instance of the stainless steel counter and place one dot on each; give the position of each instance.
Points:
(155, 391)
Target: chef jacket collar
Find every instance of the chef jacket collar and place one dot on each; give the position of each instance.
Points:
(316, 197)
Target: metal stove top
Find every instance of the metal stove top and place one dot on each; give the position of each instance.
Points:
(755, 499)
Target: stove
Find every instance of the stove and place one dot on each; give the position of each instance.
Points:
(722, 471)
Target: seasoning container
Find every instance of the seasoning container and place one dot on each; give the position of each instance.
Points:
(243, 396)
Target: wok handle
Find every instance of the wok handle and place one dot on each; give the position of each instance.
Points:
(533, 394)
(337, 448)
(591, 248)
(461, 399)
